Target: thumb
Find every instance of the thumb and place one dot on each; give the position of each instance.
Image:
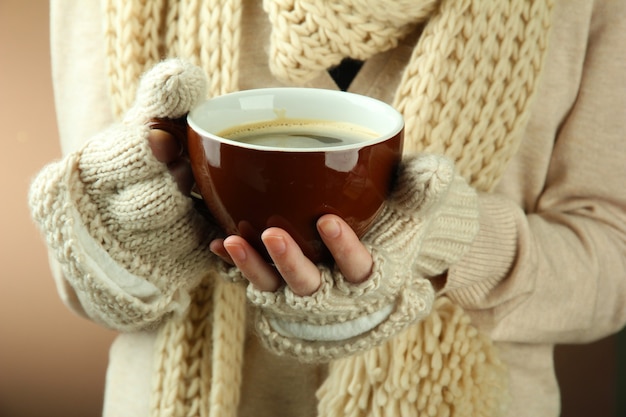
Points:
(168, 90)
(423, 180)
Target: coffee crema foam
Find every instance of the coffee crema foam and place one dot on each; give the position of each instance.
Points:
(298, 133)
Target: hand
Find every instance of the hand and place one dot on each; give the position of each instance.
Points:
(290, 265)
(378, 286)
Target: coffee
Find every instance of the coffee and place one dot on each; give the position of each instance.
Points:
(298, 133)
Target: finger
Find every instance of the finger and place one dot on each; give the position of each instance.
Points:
(261, 274)
(164, 146)
(297, 270)
(217, 247)
(353, 259)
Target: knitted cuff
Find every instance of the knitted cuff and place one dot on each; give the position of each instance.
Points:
(341, 318)
(230, 273)
(452, 231)
(491, 257)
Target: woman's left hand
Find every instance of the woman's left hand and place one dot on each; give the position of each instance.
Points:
(378, 286)
(291, 266)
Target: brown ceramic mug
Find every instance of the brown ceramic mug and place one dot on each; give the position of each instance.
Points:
(286, 156)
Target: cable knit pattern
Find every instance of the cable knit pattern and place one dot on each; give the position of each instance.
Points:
(467, 89)
(140, 42)
(182, 375)
(141, 33)
(199, 364)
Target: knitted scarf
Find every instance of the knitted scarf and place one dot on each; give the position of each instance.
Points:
(465, 93)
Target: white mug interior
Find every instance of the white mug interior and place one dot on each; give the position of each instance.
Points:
(257, 105)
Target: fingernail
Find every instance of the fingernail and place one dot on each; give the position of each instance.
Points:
(330, 228)
(275, 244)
(236, 252)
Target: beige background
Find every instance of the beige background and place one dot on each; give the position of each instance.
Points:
(53, 363)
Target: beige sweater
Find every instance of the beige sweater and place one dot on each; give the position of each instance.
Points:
(549, 264)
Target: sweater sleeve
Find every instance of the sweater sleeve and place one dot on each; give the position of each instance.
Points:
(555, 272)
(81, 102)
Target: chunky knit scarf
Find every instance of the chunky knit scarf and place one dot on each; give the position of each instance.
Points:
(465, 93)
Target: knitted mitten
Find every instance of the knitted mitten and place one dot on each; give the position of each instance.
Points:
(129, 242)
(428, 224)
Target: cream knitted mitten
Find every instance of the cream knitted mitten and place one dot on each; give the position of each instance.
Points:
(129, 242)
(428, 224)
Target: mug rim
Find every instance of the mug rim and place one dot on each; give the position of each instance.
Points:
(394, 121)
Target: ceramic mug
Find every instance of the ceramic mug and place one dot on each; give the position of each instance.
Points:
(284, 157)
